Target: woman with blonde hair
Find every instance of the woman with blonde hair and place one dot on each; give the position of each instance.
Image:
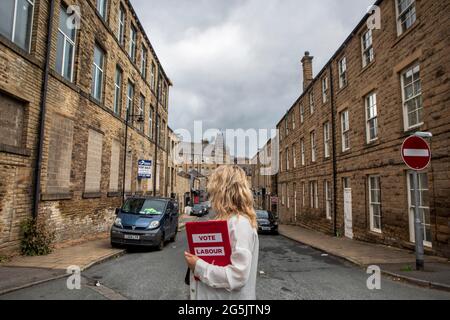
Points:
(231, 200)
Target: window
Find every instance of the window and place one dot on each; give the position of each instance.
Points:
(288, 196)
(302, 114)
(121, 26)
(371, 117)
(132, 49)
(328, 200)
(144, 55)
(375, 204)
(286, 126)
(114, 169)
(293, 120)
(66, 46)
(367, 48)
(303, 194)
(153, 79)
(302, 142)
(94, 162)
(412, 97)
(313, 146)
(97, 73)
(287, 159)
(311, 102)
(150, 123)
(325, 89)
(326, 139)
(118, 91)
(16, 20)
(313, 195)
(294, 158)
(406, 14)
(130, 98)
(101, 8)
(282, 194)
(345, 128)
(12, 114)
(141, 112)
(424, 207)
(342, 72)
(158, 129)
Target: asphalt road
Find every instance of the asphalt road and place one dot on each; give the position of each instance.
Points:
(288, 270)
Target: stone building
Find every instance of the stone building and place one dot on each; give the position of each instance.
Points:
(70, 72)
(341, 167)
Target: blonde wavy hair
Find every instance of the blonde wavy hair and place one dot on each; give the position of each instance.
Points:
(230, 194)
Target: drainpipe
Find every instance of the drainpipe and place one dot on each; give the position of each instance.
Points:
(333, 129)
(38, 168)
(158, 118)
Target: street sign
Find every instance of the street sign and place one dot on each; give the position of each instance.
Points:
(145, 169)
(416, 153)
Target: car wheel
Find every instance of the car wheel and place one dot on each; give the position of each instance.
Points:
(160, 245)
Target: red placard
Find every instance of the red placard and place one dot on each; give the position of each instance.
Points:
(416, 153)
(210, 241)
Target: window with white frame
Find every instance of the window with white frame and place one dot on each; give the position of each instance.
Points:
(153, 77)
(412, 97)
(130, 98)
(287, 159)
(294, 158)
(326, 139)
(302, 114)
(150, 123)
(313, 195)
(345, 129)
(406, 14)
(16, 21)
(367, 48)
(302, 143)
(141, 112)
(97, 73)
(371, 117)
(303, 194)
(424, 207)
(102, 8)
(288, 196)
(313, 146)
(293, 120)
(325, 89)
(286, 126)
(282, 194)
(328, 199)
(375, 203)
(65, 52)
(311, 102)
(121, 25)
(144, 55)
(342, 72)
(118, 90)
(133, 39)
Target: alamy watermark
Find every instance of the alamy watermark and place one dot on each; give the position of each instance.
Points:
(374, 281)
(374, 20)
(74, 280)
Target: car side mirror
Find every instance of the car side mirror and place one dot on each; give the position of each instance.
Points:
(118, 211)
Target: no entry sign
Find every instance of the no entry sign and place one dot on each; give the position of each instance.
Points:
(416, 153)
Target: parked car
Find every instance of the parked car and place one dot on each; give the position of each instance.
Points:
(267, 223)
(145, 221)
(199, 210)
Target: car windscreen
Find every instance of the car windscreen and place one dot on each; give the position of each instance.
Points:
(147, 207)
(198, 207)
(262, 214)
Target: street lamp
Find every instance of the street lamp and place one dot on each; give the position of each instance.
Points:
(139, 119)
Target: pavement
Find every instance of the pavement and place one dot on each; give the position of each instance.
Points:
(394, 262)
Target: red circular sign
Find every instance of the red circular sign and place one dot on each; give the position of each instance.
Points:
(416, 153)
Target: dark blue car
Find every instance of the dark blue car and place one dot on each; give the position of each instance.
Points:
(145, 221)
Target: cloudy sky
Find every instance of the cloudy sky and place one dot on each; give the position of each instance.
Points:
(236, 63)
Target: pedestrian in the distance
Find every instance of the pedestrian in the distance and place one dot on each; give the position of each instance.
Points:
(231, 200)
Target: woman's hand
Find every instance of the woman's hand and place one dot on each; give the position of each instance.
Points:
(191, 260)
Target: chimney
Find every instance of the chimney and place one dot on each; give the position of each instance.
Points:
(307, 70)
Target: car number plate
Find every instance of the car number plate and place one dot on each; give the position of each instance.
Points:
(266, 228)
(132, 237)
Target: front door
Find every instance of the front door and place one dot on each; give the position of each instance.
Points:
(348, 218)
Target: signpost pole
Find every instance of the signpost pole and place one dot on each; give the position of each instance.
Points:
(418, 228)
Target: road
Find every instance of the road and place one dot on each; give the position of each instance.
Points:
(288, 270)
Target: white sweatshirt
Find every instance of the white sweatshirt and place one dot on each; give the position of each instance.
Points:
(236, 281)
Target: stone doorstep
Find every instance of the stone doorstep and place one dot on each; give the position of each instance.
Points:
(392, 258)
